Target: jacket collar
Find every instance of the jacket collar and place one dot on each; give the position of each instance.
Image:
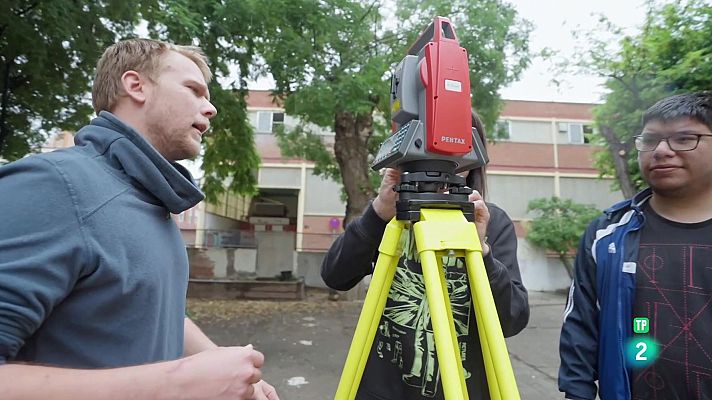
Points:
(170, 182)
(635, 202)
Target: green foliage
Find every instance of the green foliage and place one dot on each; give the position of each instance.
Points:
(330, 66)
(302, 142)
(672, 54)
(333, 60)
(337, 60)
(558, 225)
(51, 49)
(224, 30)
(48, 50)
(342, 69)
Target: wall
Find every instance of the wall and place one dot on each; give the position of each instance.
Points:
(221, 263)
(512, 193)
(520, 157)
(596, 192)
(283, 178)
(530, 131)
(539, 272)
(218, 223)
(322, 196)
(317, 235)
(309, 267)
(275, 253)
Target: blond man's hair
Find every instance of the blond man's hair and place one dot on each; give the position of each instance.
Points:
(140, 55)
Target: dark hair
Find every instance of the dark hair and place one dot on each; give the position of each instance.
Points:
(697, 105)
(477, 178)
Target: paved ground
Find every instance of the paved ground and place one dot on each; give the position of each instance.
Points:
(305, 343)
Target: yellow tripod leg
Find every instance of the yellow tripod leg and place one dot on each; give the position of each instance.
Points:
(371, 312)
(488, 318)
(443, 327)
(449, 230)
(451, 321)
(492, 382)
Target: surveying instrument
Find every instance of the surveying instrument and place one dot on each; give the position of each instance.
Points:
(434, 140)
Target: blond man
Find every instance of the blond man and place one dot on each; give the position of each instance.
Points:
(93, 272)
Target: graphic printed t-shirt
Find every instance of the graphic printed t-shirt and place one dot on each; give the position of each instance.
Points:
(674, 291)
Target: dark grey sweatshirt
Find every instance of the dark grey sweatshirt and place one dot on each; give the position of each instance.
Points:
(93, 272)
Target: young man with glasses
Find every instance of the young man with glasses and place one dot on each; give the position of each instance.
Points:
(649, 257)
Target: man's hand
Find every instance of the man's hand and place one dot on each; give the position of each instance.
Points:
(385, 202)
(222, 373)
(264, 391)
(482, 217)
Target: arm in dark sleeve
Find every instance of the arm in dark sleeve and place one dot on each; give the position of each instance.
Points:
(578, 345)
(41, 249)
(351, 256)
(510, 296)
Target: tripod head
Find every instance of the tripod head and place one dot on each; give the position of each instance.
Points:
(433, 137)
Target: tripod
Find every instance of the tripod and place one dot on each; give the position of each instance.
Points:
(442, 227)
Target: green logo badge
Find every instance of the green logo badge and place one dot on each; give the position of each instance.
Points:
(641, 325)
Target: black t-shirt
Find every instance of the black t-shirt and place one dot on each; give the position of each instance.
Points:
(674, 291)
(403, 350)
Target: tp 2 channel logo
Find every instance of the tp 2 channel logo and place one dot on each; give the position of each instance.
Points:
(641, 350)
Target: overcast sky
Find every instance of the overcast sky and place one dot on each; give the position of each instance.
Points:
(554, 21)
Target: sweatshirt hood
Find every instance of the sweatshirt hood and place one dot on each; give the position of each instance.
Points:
(169, 182)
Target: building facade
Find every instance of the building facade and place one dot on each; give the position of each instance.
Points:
(544, 153)
(289, 225)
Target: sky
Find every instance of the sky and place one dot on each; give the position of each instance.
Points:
(554, 21)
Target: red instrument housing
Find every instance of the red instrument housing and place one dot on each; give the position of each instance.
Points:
(444, 73)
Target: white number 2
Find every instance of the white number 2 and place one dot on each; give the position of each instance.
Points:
(642, 346)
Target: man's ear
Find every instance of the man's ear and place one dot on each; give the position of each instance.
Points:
(134, 85)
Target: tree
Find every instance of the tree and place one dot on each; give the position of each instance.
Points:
(48, 51)
(558, 226)
(334, 79)
(226, 31)
(672, 54)
(340, 62)
(278, 36)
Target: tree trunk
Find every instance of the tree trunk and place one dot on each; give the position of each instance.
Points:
(351, 153)
(619, 153)
(566, 260)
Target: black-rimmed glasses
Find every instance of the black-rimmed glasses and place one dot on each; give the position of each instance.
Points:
(676, 142)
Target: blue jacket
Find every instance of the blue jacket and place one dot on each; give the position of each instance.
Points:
(599, 311)
(93, 271)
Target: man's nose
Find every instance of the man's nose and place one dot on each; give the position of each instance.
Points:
(209, 110)
(663, 148)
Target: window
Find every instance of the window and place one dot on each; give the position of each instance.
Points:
(277, 120)
(563, 127)
(503, 129)
(267, 120)
(576, 132)
(264, 122)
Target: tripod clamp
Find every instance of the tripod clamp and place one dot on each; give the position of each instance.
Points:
(419, 190)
